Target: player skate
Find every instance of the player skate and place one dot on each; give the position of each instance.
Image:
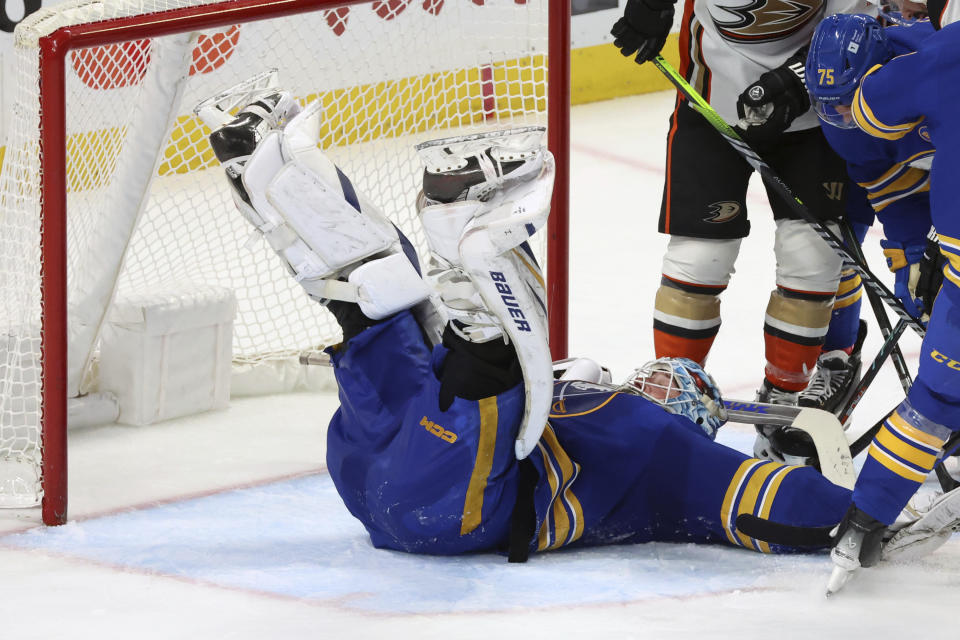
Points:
(483, 196)
(836, 378)
(924, 525)
(335, 243)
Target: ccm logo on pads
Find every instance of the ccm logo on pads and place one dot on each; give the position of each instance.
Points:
(437, 430)
(506, 294)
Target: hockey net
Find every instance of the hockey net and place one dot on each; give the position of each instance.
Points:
(109, 187)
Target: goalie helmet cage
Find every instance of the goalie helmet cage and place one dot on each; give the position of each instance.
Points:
(105, 88)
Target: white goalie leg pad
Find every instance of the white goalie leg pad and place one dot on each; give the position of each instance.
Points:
(309, 212)
(804, 261)
(382, 287)
(506, 295)
(930, 521)
(483, 238)
(515, 214)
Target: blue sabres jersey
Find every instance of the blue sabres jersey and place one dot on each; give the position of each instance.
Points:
(894, 173)
(610, 467)
(919, 92)
(915, 92)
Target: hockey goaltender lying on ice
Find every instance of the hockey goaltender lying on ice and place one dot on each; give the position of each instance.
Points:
(455, 433)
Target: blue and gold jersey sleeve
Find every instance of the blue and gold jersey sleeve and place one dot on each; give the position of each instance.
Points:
(882, 107)
(950, 248)
(898, 183)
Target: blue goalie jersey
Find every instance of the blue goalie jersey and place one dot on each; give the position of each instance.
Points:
(610, 467)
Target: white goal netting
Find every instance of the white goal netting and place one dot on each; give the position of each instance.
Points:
(147, 206)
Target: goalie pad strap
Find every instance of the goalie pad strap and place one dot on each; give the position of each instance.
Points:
(380, 287)
(523, 520)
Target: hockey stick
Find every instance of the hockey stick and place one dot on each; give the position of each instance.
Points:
(826, 432)
(885, 349)
(772, 179)
(906, 381)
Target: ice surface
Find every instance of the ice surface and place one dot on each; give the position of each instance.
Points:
(226, 526)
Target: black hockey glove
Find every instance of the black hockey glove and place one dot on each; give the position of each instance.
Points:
(768, 106)
(643, 28)
(931, 272)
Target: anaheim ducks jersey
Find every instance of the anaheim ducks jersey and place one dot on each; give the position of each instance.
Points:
(726, 45)
(944, 11)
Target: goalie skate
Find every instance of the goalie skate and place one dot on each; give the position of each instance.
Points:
(218, 110)
(484, 196)
(336, 243)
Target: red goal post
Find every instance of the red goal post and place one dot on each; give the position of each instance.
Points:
(56, 142)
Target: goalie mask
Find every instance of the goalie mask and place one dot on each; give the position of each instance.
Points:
(680, 386)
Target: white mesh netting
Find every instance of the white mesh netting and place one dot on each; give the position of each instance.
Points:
(390, 74)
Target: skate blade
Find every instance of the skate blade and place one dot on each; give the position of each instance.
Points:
(838, 578)
(217, 110)
(514, 144)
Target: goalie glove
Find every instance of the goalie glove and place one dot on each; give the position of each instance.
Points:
(904, 261)
(643, 28)
(768, 106)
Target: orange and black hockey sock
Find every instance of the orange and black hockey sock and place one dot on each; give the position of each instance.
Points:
(686, 319)
(794, 330)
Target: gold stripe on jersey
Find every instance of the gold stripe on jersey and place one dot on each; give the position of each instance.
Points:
(849, 291)
(911, 181)
(950, 248)
(905, 450)
(552, 416)
(949, 244)
(566, 510)
(766, 503)
(866, 120)
(726, 507)
(882, 203)
(847, 300)
(895, 465)
(486, 442)
(893, 171)
(911, 433)
(748, 503)
(553, 479)
(951, 275)
(526, 262)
